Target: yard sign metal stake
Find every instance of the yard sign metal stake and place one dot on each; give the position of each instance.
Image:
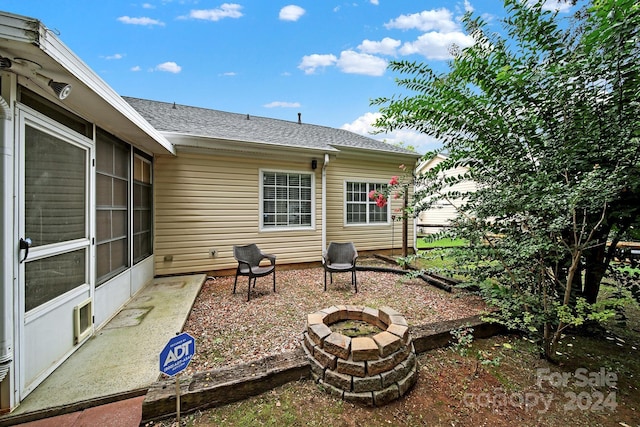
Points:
(174, 358)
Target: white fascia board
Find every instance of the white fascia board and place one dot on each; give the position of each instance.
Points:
(201, 142)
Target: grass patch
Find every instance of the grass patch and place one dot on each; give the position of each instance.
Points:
(425, 243)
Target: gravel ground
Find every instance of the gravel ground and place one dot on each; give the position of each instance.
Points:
(229, 330)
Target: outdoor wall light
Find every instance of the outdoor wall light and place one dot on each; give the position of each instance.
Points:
(62, 90)
(314, 164)
(4, 63)
(29, 69)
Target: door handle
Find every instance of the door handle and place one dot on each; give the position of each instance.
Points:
(25, 244)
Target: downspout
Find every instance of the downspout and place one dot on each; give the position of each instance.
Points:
(6, 237)
(324, 201)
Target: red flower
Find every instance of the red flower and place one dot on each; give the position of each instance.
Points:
(381, 201)
(394, 180)
(372, 194)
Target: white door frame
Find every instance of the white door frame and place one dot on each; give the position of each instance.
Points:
(27, 116)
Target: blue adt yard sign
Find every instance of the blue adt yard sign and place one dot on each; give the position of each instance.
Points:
(176, 355)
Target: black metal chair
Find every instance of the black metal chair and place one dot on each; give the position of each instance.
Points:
(249, 258)
(340, 258)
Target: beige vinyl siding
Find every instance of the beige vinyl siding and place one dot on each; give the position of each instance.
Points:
(205, 202)
(358, 169)
(435, 219)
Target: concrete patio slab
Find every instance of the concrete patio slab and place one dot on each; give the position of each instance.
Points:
(123, 356)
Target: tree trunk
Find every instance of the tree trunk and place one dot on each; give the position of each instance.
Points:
(596, 263)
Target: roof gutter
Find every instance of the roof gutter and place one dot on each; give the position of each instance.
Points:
(324, 201)
(6, 236)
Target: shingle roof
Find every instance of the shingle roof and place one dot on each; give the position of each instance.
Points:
(203, 122)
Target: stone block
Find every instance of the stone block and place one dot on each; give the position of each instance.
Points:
(315, 318)
(354, 312)
(349, 367)
(325, 359)
(394, 375)
(333, 391)
(385, 396)
(317, 370)
(400, 331)
(338, 344)
(318, 333)
(365, 398)
(387, 343)
(367, 384)
(398, 320)
(332, 315)
(370, 315)
(386, 313)
(308, 344)
(315, 377)
(405, 384)
(400, 355)
(410, 361)
(381, 365)
(338, 380)
(364, 348)
(342, 312)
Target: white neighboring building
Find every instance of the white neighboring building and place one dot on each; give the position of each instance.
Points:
(439, 217)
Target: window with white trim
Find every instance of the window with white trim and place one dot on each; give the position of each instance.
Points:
(359, 208)
(286, 199)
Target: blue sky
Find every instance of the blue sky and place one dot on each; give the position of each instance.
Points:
(324, 59)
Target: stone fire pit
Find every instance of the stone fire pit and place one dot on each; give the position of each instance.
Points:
(372, 370)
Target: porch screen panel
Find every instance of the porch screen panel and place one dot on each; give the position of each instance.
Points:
(112, 206)
(55, 196)
(55, 184)
(142, 208)
(51, 277)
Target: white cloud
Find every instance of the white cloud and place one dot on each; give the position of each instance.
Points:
(148, 6)
(553, 5)
(467, 6)
(282, 104)
(136, 68)
(387, 46)
(376, 2)
(361, 63)
(291, 13)
(170, 67)
(427, 20)
(226, 10)
(229, 74)
(436, 45)
(140, 21)
(363, 125)
(310, 63)
(114, 56)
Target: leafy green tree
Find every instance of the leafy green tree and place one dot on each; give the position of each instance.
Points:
(546, 119)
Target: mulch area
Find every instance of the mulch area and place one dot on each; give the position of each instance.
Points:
(230, 331)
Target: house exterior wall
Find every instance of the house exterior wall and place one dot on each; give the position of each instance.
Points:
(209, 201)
(351, 167)
(440, 216)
